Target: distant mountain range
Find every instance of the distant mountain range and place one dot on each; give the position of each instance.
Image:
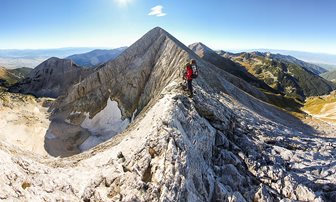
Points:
(285, 74)
(16, 62)
(33, 53)
(331, 76)
(329, 60)
(96, 57)
(12, 58)
(327, 66)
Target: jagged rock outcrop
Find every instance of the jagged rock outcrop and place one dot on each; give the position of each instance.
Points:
(222, 145)
(51, 78)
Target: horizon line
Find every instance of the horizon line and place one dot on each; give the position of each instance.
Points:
(106, 47)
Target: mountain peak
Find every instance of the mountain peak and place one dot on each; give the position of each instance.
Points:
(156, 32)
(201, 49)
(199, 46)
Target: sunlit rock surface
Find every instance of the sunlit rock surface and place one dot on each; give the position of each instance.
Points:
(224, 144)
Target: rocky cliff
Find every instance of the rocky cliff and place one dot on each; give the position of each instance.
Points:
(222, 145)
(51, 78)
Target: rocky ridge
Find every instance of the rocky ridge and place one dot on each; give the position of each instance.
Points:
(222, 145)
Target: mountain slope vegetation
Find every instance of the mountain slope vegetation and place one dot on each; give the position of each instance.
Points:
(289, 78)
(331, 76)
(322, 107)
(11, 76)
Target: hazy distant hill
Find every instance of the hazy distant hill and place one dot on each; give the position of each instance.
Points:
(96, 57)
(12, 63)
(11, 76)
(283, 75)
(311, 67)
(331, 76)
(12, 58)
(316, 58)
(316, 69)
(327, 66)
(29, 53)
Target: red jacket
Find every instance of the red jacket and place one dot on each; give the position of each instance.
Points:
(189, 73)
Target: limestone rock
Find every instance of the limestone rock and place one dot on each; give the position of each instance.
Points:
(222, 145)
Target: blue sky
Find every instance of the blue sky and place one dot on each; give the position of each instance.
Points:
(306, 25)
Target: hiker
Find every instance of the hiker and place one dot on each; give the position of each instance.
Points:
(190, 73)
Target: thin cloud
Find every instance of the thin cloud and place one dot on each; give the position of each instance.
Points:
(157, 11)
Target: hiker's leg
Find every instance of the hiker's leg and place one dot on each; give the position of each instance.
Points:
(190, 88)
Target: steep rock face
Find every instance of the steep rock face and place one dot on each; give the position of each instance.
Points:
(222, 145)
(96, 57)
(289, 78)
(51, 78)
(133, 79)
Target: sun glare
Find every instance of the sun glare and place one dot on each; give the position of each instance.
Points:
(123, 2)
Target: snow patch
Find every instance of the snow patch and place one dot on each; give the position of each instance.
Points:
(104, 125)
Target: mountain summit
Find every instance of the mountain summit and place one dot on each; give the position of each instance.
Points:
(224, 144)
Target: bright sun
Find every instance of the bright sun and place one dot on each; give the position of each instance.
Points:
(123, 2)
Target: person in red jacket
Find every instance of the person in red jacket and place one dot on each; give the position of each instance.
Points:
(189, 77)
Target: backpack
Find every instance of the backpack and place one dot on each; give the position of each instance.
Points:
(195, 71)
